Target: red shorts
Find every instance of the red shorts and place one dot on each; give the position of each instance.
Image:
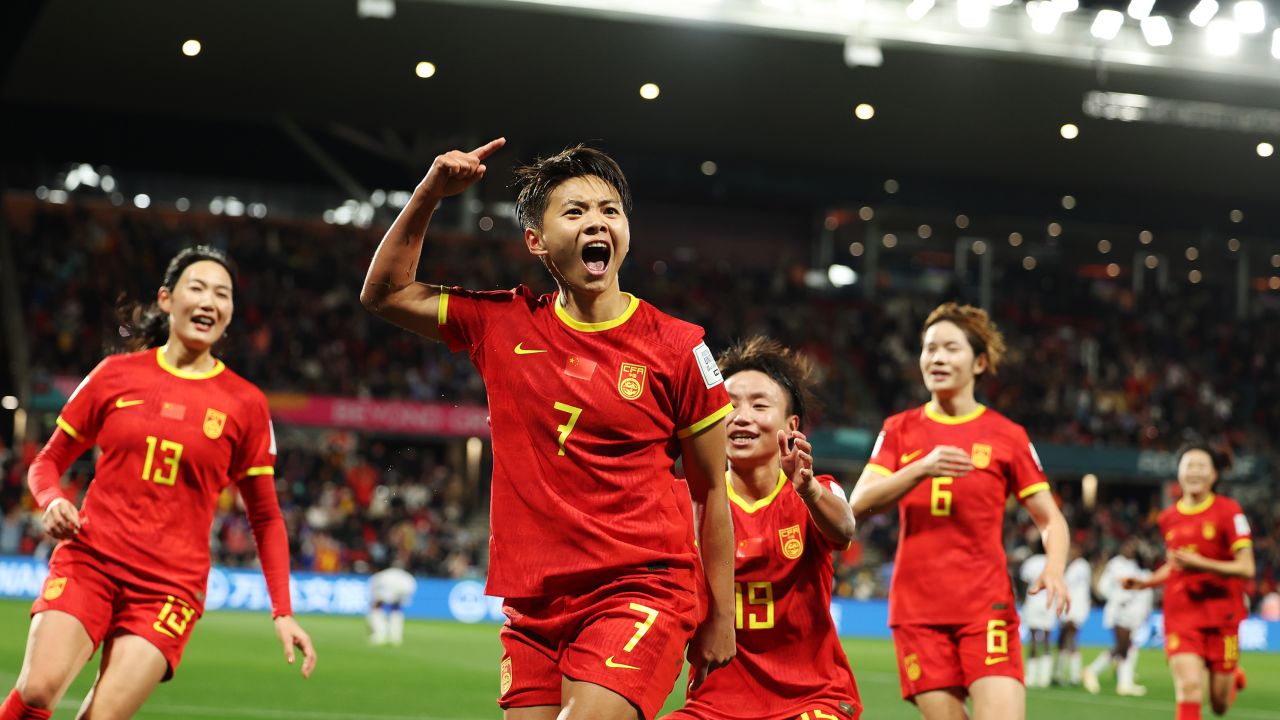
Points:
(106, 607)
(933, 657)
(1220, 647)
(628, 636)
(815, 710)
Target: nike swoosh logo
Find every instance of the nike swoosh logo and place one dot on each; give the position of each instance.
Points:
(996, 661)
(122, 403)
(521, 351)
(608, 662)
(909, 457)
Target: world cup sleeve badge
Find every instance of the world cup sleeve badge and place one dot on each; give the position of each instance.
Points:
(631, 380)
(53, 589)
(981, 455)
(214, 422)
(792, 542)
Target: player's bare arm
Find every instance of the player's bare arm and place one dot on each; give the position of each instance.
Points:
(1240, 566)
(876, 493)
(714, 643)
(830, 512)
(391, 290)
(1157, 578)
(1056, 538)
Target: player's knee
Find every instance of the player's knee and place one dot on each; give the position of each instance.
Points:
(1188, 688)
(39, 692)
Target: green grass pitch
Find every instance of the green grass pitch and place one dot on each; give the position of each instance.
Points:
(446, 671)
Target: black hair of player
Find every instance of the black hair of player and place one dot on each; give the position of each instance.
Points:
(792, 370)
(535, 182)
(147, 326)
(1219, 458)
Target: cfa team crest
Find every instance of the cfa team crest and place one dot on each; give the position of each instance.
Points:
(981, 455)
(504, 676)
(1208, 531)
(214, 421)
(53, 589)
(631, 380)
(912, 665)
(792, 542)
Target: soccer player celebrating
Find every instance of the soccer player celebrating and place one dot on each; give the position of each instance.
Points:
(1125, 612)
(949, 467)
(592, 396)
(1210, 555)
(786, 523)
(175, 426)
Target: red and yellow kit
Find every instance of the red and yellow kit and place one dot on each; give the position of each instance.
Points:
(951, 601)
(587, 424)
(170, 442)
(790, 663)
(1202, 610)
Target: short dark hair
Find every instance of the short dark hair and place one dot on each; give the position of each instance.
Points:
(536, 181)
(1220, 458)
(792, 370)
(976, 324)
(145, 326)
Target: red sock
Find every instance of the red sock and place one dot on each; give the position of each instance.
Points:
(15, 709)
(1188, 711)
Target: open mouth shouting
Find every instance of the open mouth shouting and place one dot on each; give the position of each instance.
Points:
(595, 256)
(203, 323)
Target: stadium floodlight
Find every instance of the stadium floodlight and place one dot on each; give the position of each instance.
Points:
(1140, 9)
(973, 14)
(1203, 12)
(1001, 3)
(381, 9)
(1265, 149)
(1250, 15)
(1107, 23)
(1222, 38)
(1066, 6)
(861, 52)
(919, 8)
(1044, 16)
(1275, 43)
(841, 275)
(1156, 31)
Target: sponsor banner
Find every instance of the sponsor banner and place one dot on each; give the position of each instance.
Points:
(464, 601)
(393, 416)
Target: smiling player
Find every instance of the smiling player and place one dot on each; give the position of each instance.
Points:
(949, 467)
(593, 394)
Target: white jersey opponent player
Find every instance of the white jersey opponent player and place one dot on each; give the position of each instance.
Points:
(1124, 613)
(1039, 619)
(1080, 586)
(389, 591)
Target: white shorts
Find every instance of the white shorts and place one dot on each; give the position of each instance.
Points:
(392, 590)
(1035, 615)
(1131, 615)
(1078, 613)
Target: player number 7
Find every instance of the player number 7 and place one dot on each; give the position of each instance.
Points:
(567, 428)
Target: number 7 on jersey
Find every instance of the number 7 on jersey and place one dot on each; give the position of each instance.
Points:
(567, 428)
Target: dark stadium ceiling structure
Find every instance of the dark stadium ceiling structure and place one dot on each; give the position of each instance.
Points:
(107, 83)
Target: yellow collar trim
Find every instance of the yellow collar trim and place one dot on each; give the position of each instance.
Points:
(1186, 509)
(751, 507)
(938, 416)
(218, 367)
(596, 326)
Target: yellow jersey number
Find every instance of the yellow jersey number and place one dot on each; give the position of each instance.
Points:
(166, 473)
(758, 611)
(567, 428)
(940, 496)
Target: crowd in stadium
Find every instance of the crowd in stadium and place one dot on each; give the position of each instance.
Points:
(1089, 363)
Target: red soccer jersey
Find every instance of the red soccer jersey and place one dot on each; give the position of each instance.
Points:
(789, 657)
(950, 566)
(171, 440)
(587, 420)
(1216, 528)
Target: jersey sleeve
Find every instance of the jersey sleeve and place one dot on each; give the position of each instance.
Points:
(884, 454)
(1026, 475)
(701, 399)
(255, 453)
(1238, 532)
(82, 416)
(830, 483)
(464, 315)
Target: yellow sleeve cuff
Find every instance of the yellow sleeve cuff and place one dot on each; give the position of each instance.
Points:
(1241, 543)
(442, 311)
(66, 428)
(1030, 490)
(879, 469)
(261, 470)
(705, 422)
